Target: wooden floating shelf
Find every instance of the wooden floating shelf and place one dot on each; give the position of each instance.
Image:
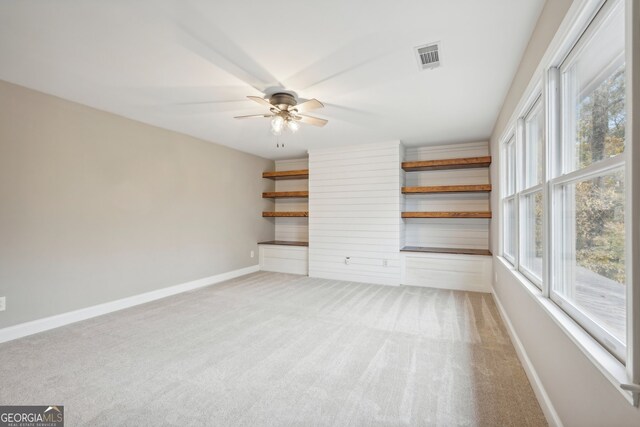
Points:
(462, 163)
(485, 188)
(295, 174)
(285, 194)
(457, 251)
(284, 243)
(446, 214)
(285, 214)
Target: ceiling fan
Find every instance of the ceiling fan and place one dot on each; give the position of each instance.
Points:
(286, 113)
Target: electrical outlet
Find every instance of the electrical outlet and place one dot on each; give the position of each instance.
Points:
(252, 254)
(347, 260)
(385, 263)
(3, 303)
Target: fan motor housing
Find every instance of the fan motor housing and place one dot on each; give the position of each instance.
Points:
(283, 100)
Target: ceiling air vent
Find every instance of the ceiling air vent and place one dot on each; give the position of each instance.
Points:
(428, 56)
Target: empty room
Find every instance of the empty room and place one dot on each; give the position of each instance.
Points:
(338, 213)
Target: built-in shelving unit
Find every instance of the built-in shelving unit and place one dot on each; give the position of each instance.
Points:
(447, 164)
(296, 174)
(446, 214)
(446, 195)
(285, 194)
(458, 251)
(288, 252)
(460, 163)
(292, 174)
(298, 214)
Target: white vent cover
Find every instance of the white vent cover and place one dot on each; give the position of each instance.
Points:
(428, 56)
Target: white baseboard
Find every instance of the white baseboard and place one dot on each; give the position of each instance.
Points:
(541, 394)
(41, 325)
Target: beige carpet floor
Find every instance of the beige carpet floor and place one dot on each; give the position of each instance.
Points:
(273, 349)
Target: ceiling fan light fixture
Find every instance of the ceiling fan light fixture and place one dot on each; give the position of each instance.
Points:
(293, 126)
(277, 125)
(286, 112)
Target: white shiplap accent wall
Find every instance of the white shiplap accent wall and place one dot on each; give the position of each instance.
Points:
(453, 233)
(354, 209)
(292, 229)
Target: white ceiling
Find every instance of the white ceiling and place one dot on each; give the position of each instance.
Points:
(188, 65)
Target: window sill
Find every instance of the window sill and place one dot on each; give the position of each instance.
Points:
(609, 366)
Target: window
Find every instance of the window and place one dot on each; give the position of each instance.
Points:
(591, 269)
(579, 204)
(589, 280)
(534, 145)
(531, 257)
(531, 205)
(509, 201)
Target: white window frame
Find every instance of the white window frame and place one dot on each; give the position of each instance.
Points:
(509, 142)
(564, 176)
(537, 100)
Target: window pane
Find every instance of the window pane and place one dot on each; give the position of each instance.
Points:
(533, 145)
(591, 271)
(510, 228)
(510, 152)
(531, 244)
(594, 95)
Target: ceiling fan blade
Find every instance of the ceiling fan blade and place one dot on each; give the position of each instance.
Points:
(309, 105)
(312, 120)
(263, 102)
(253, 116)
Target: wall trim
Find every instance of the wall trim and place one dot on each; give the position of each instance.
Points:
(538, 388)
(40, 325)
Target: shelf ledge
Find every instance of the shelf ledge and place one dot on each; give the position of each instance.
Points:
(285, 214)
(457, 251)
(284, 243)
(446, 214)
(285, 194)
(461, 163)
(293, 174)
(482, 188)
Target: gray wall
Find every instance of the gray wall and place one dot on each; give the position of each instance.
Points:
(95, 207)
(579, 392)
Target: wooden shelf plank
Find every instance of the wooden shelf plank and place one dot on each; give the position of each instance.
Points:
(285, 194)
(446, 214)
(484, 188)
(284, 243)
(294, 174)
(462, 163)
(460, 251)
(284, 214)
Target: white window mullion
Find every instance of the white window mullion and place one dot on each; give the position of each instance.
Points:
(551, 168)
